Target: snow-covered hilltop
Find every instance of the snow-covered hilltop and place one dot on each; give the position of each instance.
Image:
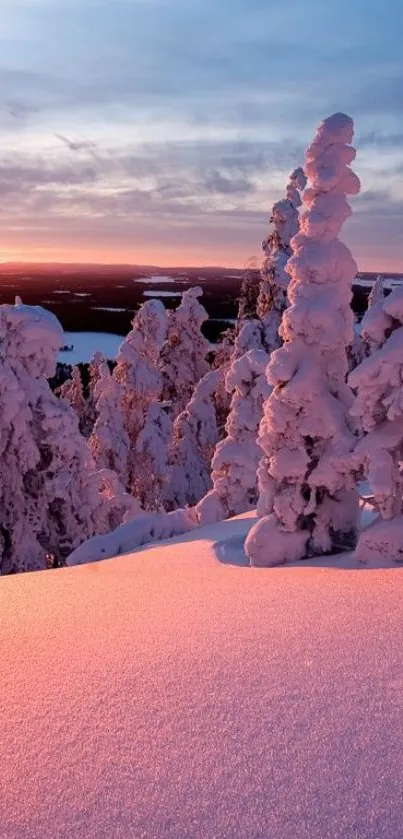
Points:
(164, 694)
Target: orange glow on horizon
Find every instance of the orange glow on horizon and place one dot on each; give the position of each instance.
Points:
(186, 256)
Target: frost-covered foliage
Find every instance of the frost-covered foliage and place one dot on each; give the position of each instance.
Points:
(222, 363)
(140, 380)
(355, 350)
(248, 338)
(137, 365)
(94, 374)
(72, 391)
(152, 473)
(195, 435)
(236, 458)
(141, 530)
(183, 357)
(51, 497)
(272, 299)
(249, 293)
(311, 503)
(109, 442)
(375, 323)
(379, 409)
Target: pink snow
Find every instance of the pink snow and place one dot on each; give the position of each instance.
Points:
(164, 695)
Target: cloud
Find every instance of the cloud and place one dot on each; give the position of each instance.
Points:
(141, 110)
(76, 145)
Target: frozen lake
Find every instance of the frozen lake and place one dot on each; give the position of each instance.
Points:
(87, 343)
(162, 294)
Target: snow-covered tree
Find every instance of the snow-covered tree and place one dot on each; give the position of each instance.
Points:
(144, 421)
(372, 328)
(249, 337)
(152, 472)
(72, 391)
(183, 357)
(375, 323)
(379, 409)
(94, 374)
(137, 365)
(51, 497)
(249, 293)
(109, 442)
(222, 363)
(272, 299)
(195, 435)
(237, 456)
(312, 504)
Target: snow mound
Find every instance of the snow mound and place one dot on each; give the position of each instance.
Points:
(141, 530)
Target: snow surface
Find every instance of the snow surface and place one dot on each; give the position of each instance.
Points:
(87, 343)
(166, 695)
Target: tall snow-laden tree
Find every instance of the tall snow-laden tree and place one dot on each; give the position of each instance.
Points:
(221, 364)
(72, 391)
(249, 293)
(375, 322)
(152, 472)
(183, 357)
(94, 374)
(272, 299)
(378, 407)
(137, 365)
(311, 500)
(109, 442)
(144, 420)
(237, 456)
(51, 497)
(195, 435)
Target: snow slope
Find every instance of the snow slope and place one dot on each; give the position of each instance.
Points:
(166, 695)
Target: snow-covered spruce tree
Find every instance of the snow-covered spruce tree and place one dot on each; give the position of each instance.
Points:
(94, 374)
(272, 299)
(152, 473)
(375, 323)
(222, 363)
(183, 357)
(195, 435)
(312, 504)
(144, 420)
(109, 442)
(137, 369)
(51, 498)
(379, 409)
(249, 293)
(236, 458)
(72, 391)
(249, 337)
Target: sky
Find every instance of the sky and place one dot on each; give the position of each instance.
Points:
(161, 131)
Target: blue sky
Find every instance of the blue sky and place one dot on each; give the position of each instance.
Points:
(161, 131)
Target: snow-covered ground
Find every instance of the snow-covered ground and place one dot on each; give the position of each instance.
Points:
(87, 343)
(168, 695)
